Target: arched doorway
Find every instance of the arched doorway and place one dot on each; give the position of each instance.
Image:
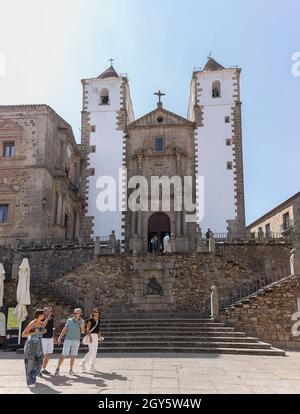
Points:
(158, 224)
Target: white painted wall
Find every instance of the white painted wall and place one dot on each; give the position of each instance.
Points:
(108, 157)
(213, 154)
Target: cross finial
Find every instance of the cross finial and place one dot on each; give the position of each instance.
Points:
(209, 56)
(159, 94)
(111, 60)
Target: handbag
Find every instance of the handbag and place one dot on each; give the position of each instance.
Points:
(85, 339)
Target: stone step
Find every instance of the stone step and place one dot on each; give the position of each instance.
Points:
(171, 333)
(161, 323)
(167, 329)
(182, 349)
(168, 338)
(191, 344)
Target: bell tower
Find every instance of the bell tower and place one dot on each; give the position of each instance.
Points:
(215, 107)
(107, 109)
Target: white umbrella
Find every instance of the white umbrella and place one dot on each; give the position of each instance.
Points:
(23, 293)
(2, 278)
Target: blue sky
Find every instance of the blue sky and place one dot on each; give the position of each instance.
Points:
(51, 46)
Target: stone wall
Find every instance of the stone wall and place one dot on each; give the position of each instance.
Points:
(46, 264)
(268, 314)
(121, 284)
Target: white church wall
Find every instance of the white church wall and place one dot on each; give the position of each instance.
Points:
(108, 157)
(213, 153)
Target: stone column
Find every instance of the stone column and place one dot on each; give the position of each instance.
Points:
(139, 229)
(77, 224)
(184, 224)
(178, 223)
(133, 219)
(97, 247)
(59, 209)
(214, 303)
(211, 243)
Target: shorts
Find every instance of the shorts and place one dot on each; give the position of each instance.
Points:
(70, 347)
(48, 345)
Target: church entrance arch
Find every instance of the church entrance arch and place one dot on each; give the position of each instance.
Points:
(158, 225)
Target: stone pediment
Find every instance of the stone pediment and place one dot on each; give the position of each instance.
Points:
(8, 124)
(6, 189)
(159, 117)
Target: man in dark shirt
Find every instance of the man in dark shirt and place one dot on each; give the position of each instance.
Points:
(48, 339)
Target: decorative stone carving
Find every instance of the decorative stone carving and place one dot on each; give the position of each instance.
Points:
(153, 287)
(261, 235)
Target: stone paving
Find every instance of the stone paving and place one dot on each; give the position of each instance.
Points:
(162, 373)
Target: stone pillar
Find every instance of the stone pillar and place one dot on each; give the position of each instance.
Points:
(229, 235)
(178, 223)
(214, 303)
(199, 240)
(133, 218)
(113, 242)
(136, 244)
(184, 224)
(77, 224)
(173, 243)
(97, 247)
(139, 229)
(211, 243)
(59, 209)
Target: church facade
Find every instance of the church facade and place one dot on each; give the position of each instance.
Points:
(205, 147)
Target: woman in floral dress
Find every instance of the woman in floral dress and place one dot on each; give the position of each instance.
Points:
(33, 352)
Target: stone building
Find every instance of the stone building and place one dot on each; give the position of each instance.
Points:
(40, 174)
(280, 220)
(161, 144)
(208, 143)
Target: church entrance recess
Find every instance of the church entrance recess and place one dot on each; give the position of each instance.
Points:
(158, 224)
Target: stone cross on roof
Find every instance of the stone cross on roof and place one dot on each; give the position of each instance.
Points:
(159, 94)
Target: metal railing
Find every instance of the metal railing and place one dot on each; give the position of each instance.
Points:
(253, 287)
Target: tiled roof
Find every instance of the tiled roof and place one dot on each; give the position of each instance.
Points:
(212, 64)
(109, 73)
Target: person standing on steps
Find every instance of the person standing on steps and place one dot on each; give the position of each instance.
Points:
(93, 337)
(33, 351)
(48, 339)
(73, 328)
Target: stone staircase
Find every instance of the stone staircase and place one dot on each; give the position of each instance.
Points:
(187, 335)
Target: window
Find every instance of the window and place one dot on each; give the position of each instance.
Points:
(3, 213)
(229, 165)
(286, 221)
(268, 230)
(104, 96)
(9, 149)
(93, 128)
(228, 142)
(216, 89)
(159, 144)
(227, 119)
